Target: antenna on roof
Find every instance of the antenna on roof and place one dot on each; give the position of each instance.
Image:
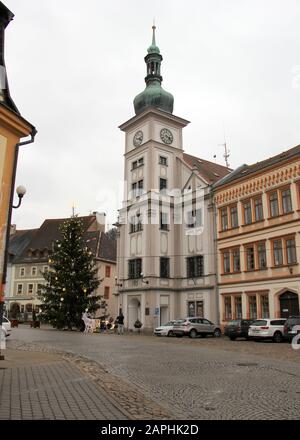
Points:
(226, 154)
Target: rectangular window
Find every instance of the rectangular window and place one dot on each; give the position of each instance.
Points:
(194, 219)
(286, 201)
(226, 262)
(238, 307)
(164, 267)
(20, 289)
(264, 301)
(136, 224)
(273, 200)
(252, 307)
(258, 208)
(162, 184)
(164, 221)
(227, 307)
(137, 163)
(277, 251)
(250, 258)
(106, 292)
(262, 257)
(224, 219)
(39, 289)
(234, 217)
(195, 266)
(46, 269)
(107, 271)
(163, 160)
(291, 251)
(30, 289)
(22, 271)
(33, 271)
(247, 213)
(236, 260)
(135, 268)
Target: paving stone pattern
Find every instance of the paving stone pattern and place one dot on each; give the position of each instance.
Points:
(193, 379)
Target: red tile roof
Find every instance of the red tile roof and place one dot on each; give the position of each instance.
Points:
(211, 172)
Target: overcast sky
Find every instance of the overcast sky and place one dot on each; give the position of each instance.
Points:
(75, 66)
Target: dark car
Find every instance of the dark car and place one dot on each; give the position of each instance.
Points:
(238, 328)
(291, 327)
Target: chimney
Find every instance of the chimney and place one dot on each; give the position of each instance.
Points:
(101, 220)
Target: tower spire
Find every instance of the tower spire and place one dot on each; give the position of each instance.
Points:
(154, 95)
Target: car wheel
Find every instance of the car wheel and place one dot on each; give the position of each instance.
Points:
(217, 333)
(193, 334)
(277, 337)
(170, 333)
(232, 338)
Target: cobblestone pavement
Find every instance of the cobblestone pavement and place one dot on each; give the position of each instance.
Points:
(46, 387)
(193, 379)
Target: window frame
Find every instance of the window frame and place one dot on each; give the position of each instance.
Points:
(260, 205)
(163, 159)
(166, 272)
(195, 262)
(134, 263)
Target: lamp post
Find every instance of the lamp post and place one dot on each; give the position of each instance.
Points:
(21, 191)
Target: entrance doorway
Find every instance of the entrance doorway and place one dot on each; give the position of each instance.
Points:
(164, 315)
(289, 304)
(134, 312)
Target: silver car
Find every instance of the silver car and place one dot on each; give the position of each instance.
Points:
(195, 326)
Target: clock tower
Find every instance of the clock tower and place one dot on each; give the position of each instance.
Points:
(165, 263)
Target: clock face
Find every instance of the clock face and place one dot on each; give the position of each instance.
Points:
(166, 136)
(138, 138)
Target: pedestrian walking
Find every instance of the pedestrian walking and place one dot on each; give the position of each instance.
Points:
(120, 319)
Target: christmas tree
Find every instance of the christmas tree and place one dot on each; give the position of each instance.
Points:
(71, 280)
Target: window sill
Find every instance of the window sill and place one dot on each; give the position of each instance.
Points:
(140, 166)
(281, 215)
(284, 265)
(135, 232)
(231, 273)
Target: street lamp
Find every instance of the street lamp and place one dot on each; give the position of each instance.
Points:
(118, 284)
(21, 191)
(143, 279)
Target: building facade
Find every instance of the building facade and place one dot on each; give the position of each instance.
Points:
(165, 263)
(13, 127)
(258, 242)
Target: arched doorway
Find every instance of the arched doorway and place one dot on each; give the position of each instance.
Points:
(289, 304)
(134, 312)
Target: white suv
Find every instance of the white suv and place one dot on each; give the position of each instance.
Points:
(6, 326)
(267, 329)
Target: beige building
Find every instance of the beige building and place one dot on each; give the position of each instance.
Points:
(165, 263)
(29, 261)
(258, 224)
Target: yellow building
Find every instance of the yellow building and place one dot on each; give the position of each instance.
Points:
(258, 241)
(13, 127)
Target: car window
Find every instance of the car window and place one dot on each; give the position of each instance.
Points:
(206, 321)
(234, 322)
(277, 321)
(193, 320)
(4, 319)
(293, 321)
(260, 322)
(245, 322)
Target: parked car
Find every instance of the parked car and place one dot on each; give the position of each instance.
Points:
(238, 328)
(166, 329)
(267, 329)
(291, 327)
(6, 326)
(194, 326)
